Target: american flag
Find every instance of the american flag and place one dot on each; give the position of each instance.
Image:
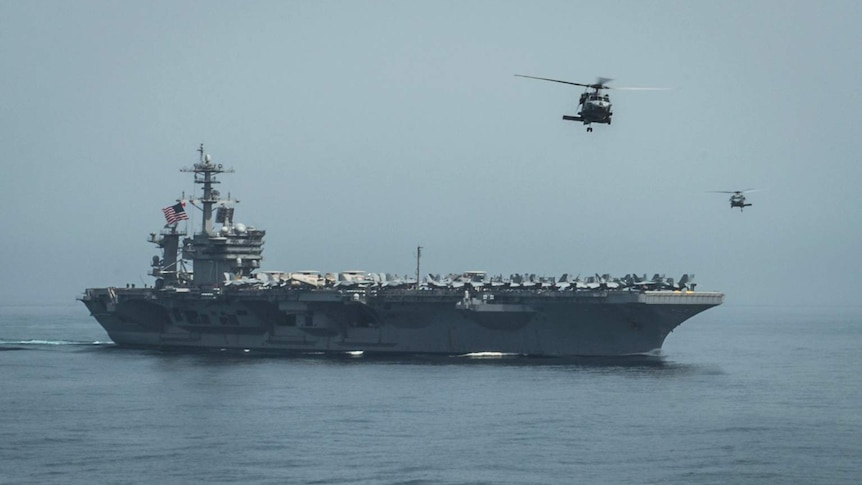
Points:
(175, 213)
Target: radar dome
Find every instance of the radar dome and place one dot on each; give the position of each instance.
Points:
(240, 228)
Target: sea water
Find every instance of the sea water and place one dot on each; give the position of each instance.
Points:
(737, 395)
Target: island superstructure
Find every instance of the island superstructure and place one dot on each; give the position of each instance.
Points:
(226, 301)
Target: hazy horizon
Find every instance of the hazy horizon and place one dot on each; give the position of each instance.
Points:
(360, 130)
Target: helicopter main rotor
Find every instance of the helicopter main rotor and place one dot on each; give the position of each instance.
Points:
(744, 191)
(601, 83)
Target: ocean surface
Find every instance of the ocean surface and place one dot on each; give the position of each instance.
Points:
(738, 395)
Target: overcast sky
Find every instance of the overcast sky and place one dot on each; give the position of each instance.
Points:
(361, 129)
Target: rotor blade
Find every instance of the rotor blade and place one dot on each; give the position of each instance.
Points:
(555, 80)
(637, 89)
(744, 191)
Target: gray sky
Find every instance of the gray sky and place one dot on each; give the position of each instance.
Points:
(361, 129)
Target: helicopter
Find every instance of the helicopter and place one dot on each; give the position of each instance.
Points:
(737, 197)
(593, 107)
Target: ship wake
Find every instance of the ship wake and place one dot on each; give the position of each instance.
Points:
(33, 344)
(488, 355)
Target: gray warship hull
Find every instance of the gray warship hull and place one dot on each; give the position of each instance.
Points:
(547, 323)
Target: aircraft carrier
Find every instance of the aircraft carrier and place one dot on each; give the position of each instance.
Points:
(225, 301)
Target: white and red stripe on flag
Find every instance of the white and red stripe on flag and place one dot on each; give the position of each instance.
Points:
(175, 213)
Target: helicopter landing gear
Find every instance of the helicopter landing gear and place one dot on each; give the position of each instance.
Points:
(589, 129)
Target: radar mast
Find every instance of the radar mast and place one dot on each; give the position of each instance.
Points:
(235, 251)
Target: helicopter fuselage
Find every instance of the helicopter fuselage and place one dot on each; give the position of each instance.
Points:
(593, 108)
(738, 200)
(596, 111)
